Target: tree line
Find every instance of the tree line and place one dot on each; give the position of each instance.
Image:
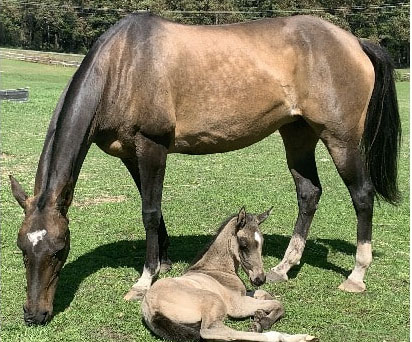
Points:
(73, 25)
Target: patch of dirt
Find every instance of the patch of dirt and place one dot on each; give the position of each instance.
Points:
(107, 333)
(7, 156)
(99, 200)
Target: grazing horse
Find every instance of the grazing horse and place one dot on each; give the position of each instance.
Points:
(194, 305)
(149, 87)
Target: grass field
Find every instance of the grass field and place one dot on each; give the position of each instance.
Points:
(107, 235)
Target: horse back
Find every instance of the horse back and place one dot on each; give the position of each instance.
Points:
(219, 88)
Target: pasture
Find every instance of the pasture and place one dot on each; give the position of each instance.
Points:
(107, 235)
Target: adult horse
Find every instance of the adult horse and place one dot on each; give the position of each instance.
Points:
(149, 87)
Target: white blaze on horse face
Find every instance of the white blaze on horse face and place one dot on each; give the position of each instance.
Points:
(258, 238)
(36, 236)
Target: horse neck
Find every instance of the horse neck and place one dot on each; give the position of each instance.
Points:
(221, 255)
(69, 135)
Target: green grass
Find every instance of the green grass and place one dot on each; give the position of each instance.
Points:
(107, 249)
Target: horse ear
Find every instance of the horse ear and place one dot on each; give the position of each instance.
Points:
(241, 218)
(262, 217)
(18, 192)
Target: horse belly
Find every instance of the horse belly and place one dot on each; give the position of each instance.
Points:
(230, 118)
(228, 133)
(231, 96)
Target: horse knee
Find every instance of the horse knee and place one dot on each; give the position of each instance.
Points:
(308, 194)
(151, 219)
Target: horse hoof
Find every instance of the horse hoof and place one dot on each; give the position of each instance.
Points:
(259, 314)
(165, 266)
(311, 338)
(256, 327)
(350, 285)
(275, 277)
(135, 294)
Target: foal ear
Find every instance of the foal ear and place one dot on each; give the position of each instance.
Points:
(241, 218)
(18, 192)
(262, 217)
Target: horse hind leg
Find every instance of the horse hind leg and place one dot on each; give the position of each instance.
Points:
(352, 169)
(300, 142)
(220, 332)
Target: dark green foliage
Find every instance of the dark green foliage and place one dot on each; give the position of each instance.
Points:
(73, 25)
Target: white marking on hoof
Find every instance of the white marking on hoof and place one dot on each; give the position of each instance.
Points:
(139, 289)
(351, 285)
(36, 236)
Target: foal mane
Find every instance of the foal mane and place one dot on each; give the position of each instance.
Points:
(206, 248)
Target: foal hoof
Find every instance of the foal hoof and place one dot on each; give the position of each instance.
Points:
(165, 265)
(350, 285)
(274, 276)
(256, 327)
(135, 294)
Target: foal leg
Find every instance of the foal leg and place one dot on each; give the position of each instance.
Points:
(165, 263)
(300, 141)
(263, 320)
(215, 330)
(220, 332)
(352, 169)
(151, 160)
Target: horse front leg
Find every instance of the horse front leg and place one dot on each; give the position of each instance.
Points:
(151, 161)
(263, 320)
(165, 263)
(261, 306)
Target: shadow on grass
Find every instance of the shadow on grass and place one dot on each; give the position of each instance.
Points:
(184, 248)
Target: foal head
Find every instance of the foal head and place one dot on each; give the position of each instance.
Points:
(44, 239)
(249, 245)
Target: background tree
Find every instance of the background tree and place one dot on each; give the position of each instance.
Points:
(73, 25)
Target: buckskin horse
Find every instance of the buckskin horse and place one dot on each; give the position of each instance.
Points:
(149, 87)
(194, 306)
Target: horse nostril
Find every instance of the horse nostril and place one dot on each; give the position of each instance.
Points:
(39, 318)
(264, 279)
(259, 280)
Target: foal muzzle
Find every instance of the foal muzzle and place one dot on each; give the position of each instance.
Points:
(258, 279)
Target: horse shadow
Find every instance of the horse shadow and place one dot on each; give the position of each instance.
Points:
(126, 253)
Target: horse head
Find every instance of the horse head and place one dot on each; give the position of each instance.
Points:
(250, 243)
(44, 239)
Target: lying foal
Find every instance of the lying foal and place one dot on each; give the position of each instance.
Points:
(194, 305)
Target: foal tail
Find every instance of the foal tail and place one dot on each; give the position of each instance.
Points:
(382, 133)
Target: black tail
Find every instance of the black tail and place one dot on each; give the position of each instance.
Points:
(382, 133)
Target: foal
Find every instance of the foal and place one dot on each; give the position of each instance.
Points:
(194, 305)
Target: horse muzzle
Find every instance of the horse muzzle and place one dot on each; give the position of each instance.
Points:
(258, 279)
(36, 317)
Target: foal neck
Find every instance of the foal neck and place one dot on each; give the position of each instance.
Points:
(222, 255)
